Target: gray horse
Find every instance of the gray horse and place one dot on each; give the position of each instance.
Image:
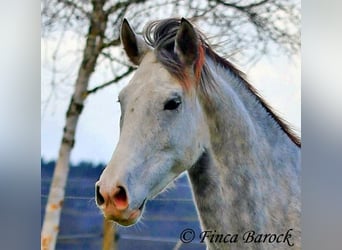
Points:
(188, 109)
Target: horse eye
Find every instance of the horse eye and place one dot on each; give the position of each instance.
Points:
(172, 104)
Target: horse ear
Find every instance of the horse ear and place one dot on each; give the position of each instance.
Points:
(186, 44)
(134, 45)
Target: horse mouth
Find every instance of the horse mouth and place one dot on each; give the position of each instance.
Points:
(131, 219)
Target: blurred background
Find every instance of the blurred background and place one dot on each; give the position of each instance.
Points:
(20, 111)
(80, 45)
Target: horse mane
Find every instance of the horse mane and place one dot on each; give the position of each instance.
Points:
(161, 36)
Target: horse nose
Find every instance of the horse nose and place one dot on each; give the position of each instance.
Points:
(98, 196)
(120, 198)
(116, 197)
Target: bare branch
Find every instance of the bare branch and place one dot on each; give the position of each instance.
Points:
(106, 84)
(114, 59)
(114, 42)
(252, 5)
(75, 5)
(120, 5)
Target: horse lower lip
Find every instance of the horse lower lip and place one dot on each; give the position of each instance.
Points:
(137, 212)
(134, 215)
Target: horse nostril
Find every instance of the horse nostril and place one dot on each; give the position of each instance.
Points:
(99, 198)
(120, 198)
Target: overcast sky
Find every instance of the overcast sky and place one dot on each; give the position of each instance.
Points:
(276, 78)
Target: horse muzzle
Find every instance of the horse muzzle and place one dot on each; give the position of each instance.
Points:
(114, 204)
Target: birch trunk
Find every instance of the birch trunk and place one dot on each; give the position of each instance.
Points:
(93, 47)
(109, 234)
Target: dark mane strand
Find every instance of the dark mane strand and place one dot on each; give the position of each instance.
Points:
(161, 36)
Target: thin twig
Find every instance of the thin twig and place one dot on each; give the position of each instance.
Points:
(106, 84)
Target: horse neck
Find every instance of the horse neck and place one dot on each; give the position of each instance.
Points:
(235, 180)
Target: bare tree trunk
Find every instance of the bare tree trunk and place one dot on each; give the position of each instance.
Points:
(92, 50)
(109, 232)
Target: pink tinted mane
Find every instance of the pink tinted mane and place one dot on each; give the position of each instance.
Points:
(185, 79)
(199, 63)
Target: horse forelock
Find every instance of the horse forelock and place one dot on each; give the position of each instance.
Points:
(161, 35)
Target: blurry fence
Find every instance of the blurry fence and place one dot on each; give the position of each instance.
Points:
(164, 219)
